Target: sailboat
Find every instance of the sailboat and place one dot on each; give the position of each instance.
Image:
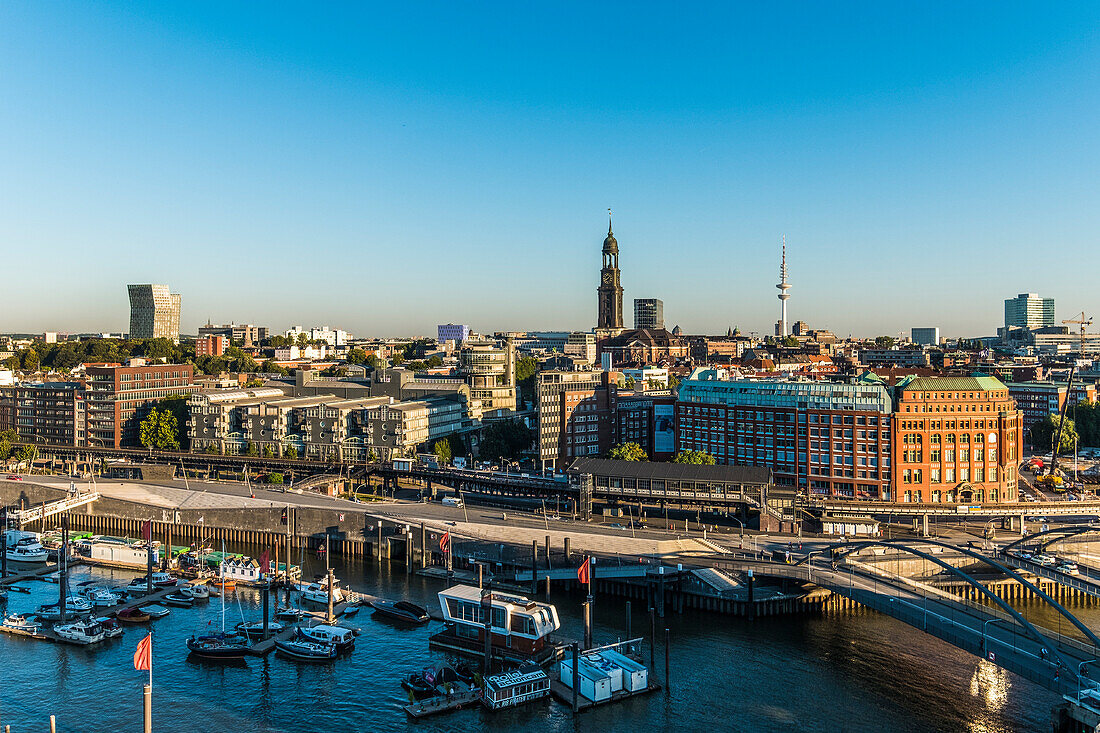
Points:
(220, 646)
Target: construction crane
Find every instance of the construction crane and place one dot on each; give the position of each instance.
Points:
(1084, 322)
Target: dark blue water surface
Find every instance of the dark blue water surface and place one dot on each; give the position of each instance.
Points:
(838, 672)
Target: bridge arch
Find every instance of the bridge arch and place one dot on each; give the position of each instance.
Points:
(1027, 625)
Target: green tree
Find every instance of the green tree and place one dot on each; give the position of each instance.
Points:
(673, 382)
(212, 450)
(505, 439)
(435, 360)
(629, 383)
(416, 366)
(371, 361)
(290, 452)
(790, 341)
(268, 452)
(884, 342)
(250, 449)
(527, 369)
(274, 478)
(177, 405)
(628, 452)
(442, 450)
(695, 457)
(357, 356)
(270, 367)
(25, 453)
(1043, 432)
(397, 359)
(159, 430)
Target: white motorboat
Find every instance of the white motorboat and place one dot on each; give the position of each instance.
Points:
(18, 624)
(199, 592)
(81, 632)
(318, 592)
(74, 606)
(256, 628)
(343, 638)
(24, 547)
(102, 597)
(111, 627)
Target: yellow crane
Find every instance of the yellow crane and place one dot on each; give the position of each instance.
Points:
(1083, 321)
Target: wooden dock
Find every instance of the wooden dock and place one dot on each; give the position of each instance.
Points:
(265, 646)
(462, 696)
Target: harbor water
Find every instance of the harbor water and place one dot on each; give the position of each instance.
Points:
(854, 671)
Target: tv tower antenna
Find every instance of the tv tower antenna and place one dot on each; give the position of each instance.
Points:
(783, 296)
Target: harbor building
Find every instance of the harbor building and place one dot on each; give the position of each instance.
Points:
(956, 439)
(154, 312)
(489, 368)
(826, 439)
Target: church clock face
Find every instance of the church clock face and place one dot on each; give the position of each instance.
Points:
(608, 278)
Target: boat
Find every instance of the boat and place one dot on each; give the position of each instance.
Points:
(520, 686)
(179, 600)
(74, 606)
(342, 637)
(401, 611)
(24, 547)
(119, 552)
(19, 624)
(351, 610)
(419, 685)
(132, 616)
(318, 592)
(81, 632)
(138, 586)
(256, 628)
(111, 627)
(306, 651)
(101, 597)
(219, 646)
(290, 614)
(198, 592)
(524, 624)
(222, 583)
(155, 611)
(3, 595)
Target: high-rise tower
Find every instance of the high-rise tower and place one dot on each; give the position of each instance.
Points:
(610, 293)
(783, 296)
(154, 312)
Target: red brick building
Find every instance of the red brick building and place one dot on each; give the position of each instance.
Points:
(119, 397)
(211, 345)
(956, 439)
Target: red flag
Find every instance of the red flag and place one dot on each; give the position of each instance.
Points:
(265, 561)
(147, 530)
(143, 657)
(584, 572)
(445, 542)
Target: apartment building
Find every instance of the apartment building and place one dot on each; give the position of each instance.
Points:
(44, 412)
(575, 415)
(117, 398)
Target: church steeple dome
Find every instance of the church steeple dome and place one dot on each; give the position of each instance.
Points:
(610, 245)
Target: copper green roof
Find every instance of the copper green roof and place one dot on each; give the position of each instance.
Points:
(952, 384)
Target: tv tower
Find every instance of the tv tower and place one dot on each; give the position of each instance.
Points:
(783, 296)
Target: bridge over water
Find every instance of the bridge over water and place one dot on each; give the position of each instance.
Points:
(1065, 663)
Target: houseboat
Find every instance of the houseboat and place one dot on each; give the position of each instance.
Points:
(518, 623)
(515, 688)
(117, 552)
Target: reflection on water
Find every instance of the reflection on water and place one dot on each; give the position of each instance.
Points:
(851, 672)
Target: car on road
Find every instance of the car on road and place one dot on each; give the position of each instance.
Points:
(1044, 559)
(1070, 568)
(616, 526)
(1027, 497)
(1024, 555)
(1038, 519)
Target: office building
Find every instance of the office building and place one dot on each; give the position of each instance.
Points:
(489, 368)
(825, 439)
(1037, 400)
(244, 334)
(956, 439)
(575, 415)
(154, 312)
(581, 345)
(211, 345)
(331, 336)
(649, 313)
(925, 336)
(1029, 311)
(452, 332)
(117, 398)
(609, 295)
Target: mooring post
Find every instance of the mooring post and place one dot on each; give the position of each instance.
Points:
(480, 575)
(568, 557)
(147, 693)
(652, 637)
(534, 567)
(751, 609)
(667, 684)
(628, 619)
(423, 546)
(548, 567)
(265, 592)
(576, 676)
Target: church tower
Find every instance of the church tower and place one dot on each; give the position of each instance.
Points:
(610, 292)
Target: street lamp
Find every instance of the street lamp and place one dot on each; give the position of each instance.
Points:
(1080, 674)
(985, 639)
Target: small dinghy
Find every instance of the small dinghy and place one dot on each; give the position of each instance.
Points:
(156, 611)
(179, 600)
(132, 616)
(290, 614)
(401, 611)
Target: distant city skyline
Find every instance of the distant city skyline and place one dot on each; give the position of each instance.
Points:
(384, 170)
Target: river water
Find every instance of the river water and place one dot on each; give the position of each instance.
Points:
(840, 672)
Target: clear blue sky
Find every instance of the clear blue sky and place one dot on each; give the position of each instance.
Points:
(387, 168)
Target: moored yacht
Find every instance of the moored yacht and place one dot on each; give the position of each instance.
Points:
(81, 632)
(74, 606)
(24, 547)
(318, 592)
(101, 597)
